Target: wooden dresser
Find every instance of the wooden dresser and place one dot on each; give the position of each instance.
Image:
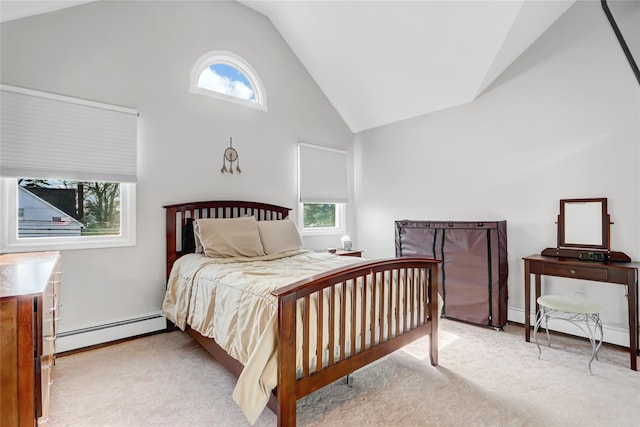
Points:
(29, 289)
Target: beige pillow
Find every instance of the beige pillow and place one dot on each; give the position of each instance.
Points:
(279, 236)
(229, 237)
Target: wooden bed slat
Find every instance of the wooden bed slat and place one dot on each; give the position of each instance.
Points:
(332, 318)
(374, 320)
(410, 301)
(305, 337)
(353, 316)
(395, 304)
(389, 302)
(363, 315)
(343, 320)
(320, 331)
(422, 291)
(415, 304)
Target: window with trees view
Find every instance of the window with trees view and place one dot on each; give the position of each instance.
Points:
(322, 218)
(318, 215)
(68, 208)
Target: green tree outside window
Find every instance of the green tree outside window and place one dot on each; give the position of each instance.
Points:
(96, 206)
(319, 215)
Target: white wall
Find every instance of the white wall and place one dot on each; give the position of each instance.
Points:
(140, 54)
(562, 122)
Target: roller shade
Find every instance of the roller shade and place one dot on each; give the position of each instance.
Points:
(322, 174)
(44, 135)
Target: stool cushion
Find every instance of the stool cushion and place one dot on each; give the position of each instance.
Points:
(569, 304)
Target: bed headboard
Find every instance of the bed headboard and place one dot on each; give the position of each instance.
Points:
(178, 214)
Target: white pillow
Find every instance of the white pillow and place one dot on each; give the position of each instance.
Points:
(279, 236)
(229, 237)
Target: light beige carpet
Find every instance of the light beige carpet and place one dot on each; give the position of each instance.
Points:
(485, 378)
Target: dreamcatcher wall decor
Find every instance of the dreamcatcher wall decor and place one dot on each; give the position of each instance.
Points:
(230, 155)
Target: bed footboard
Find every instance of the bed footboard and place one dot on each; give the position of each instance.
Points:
(338, 322)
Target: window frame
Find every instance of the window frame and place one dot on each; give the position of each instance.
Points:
(321, 196)
(10, 242)
(340, 227)
(233, 60)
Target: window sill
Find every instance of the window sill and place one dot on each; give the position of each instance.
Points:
(323, 232)
(65, 243)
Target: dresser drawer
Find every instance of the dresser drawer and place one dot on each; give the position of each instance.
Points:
(46, 368)
(579, 272)
(50, 312)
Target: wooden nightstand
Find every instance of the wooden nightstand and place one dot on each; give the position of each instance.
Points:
(349, 253)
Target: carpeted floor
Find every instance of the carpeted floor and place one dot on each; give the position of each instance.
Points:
(485, 378)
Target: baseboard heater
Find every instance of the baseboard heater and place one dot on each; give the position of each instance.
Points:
(104, 333)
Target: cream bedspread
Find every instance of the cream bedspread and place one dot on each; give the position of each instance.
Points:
(229, 300)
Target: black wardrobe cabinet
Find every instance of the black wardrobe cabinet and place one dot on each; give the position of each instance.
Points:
(474, 270)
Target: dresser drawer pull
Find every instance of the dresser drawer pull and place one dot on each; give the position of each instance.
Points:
(572, 271)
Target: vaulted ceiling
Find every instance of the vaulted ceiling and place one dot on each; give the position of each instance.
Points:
(379, 62)
(16, 9)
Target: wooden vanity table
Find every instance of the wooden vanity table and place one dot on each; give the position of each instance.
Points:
(583, 251)
(620, 273)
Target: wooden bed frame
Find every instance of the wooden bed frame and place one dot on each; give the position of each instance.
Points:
(414, 277)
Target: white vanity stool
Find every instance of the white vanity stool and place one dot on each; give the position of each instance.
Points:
(579, 311)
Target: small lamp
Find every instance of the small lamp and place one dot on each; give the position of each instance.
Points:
(347, 245)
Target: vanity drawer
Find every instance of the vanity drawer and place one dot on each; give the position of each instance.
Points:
(579, 272)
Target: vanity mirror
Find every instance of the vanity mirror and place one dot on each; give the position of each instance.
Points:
(583, 223)
(584, 231)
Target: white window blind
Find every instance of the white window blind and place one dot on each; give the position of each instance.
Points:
(44, 135)
(322, 174)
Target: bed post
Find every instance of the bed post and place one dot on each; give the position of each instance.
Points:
(171, 238)
(287, 360)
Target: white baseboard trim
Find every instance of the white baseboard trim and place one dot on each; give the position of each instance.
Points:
(613, 334)
(86, 337)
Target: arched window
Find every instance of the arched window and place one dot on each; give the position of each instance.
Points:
(227, 76)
